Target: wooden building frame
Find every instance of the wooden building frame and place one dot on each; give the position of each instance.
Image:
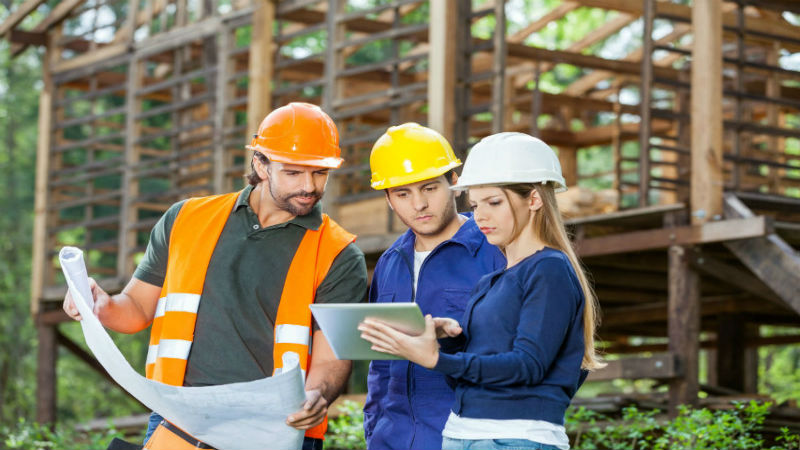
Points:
(149, 101)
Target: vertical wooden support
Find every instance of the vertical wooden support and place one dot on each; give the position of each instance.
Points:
(499, 67)
(683, 323)
(441, 76)
(682, 105)
(219, 180)
(464, 70)
(731, 351)
(259, 86)
(568, 157)
(775, 144)
(130, 185)
(334, 88)
(536, 99)
(706, 184)
(645, 93)
(46, 374)
(616, 147)
(40, 238)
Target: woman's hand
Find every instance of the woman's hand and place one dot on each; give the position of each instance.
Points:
(446, 327)
(422, 349)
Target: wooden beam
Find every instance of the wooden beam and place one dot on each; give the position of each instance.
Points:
(729, 274)
(683, 326)
(261, 67)
(659, 367)
(706, 112)
(28, 38)
(91, 58)
(442, 60)
(56, 16)
(774, 261)
(500, 56)
(551, 16)
(635, 241)
(731, 339)
(19, 14)
(40, 207)
(46, 374)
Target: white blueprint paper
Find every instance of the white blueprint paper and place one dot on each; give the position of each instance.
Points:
(235, 416)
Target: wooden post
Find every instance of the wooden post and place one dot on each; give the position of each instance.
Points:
(568, 157)
(706, 187)
(683, 322)
(334, 88)
(46, 374)
(220, 182)
(644, 105)
(40, 237)
(130, 185)
(731, 351)
(259, 87)
(442, 60)
(499, 67)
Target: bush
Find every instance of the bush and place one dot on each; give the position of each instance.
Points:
(700, 429)
(34, 436)
(346, 432)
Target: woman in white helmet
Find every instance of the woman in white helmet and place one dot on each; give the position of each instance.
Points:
(526, 341)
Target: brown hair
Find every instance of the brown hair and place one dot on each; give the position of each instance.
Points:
(253, 177)
(549, 228)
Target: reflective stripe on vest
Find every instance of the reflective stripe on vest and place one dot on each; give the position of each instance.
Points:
(176, 313)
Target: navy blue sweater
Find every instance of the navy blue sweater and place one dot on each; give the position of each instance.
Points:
(522, 344)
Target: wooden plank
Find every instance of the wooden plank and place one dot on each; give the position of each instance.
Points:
(259, 87)
(774, 261)
(47, 353)
(683, 326)
(551, 16)
(499, 67)
(19, 14)
(441, 60)
(730, 364)
(28, 38)
(41, 239)
(645, 89)
(706, 110)
(659, 367)
(56, 16)
(732, 275)
(720, 231)
(89, 59)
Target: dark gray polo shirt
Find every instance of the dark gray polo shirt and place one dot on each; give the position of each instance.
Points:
(236, 319)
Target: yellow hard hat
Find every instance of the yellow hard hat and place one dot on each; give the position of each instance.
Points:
(409, 153)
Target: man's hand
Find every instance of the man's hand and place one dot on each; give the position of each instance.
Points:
(101, 298)
(312, 413)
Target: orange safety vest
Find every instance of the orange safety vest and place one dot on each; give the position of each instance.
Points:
(192, 240)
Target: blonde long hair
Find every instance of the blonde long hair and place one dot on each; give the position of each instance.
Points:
(549, 228)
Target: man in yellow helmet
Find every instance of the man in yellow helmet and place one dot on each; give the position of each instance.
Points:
(435, 263)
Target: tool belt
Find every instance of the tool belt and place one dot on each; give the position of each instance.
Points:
(169, 437)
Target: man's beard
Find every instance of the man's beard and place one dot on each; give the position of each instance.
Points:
(283, 201)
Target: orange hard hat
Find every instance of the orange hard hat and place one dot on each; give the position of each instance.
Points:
(299, 133)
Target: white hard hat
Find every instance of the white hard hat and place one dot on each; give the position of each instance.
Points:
(510, 158)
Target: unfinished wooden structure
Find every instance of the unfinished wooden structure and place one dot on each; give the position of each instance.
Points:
(149, 101)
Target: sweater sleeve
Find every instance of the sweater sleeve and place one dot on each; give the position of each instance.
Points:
(551, 299)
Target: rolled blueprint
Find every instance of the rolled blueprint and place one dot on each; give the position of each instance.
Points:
(237, 416)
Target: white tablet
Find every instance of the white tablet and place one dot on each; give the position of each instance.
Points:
(339, 323)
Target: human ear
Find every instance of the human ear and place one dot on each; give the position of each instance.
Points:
(534, 201)
(388, 202)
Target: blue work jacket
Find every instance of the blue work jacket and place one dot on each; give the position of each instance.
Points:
(407, 405)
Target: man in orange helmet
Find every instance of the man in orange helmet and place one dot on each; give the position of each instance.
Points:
(236, 301)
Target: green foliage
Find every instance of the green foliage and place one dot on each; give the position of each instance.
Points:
(33, 436)
(347, 430)
(701, 429)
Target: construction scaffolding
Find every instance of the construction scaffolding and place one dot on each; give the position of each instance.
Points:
(690, 228)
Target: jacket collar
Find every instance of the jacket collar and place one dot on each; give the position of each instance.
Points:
(468, 236)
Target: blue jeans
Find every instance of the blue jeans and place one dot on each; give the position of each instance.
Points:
(155, 419)
(493, 444)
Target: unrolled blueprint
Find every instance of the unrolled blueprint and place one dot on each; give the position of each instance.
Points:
(235, 416)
